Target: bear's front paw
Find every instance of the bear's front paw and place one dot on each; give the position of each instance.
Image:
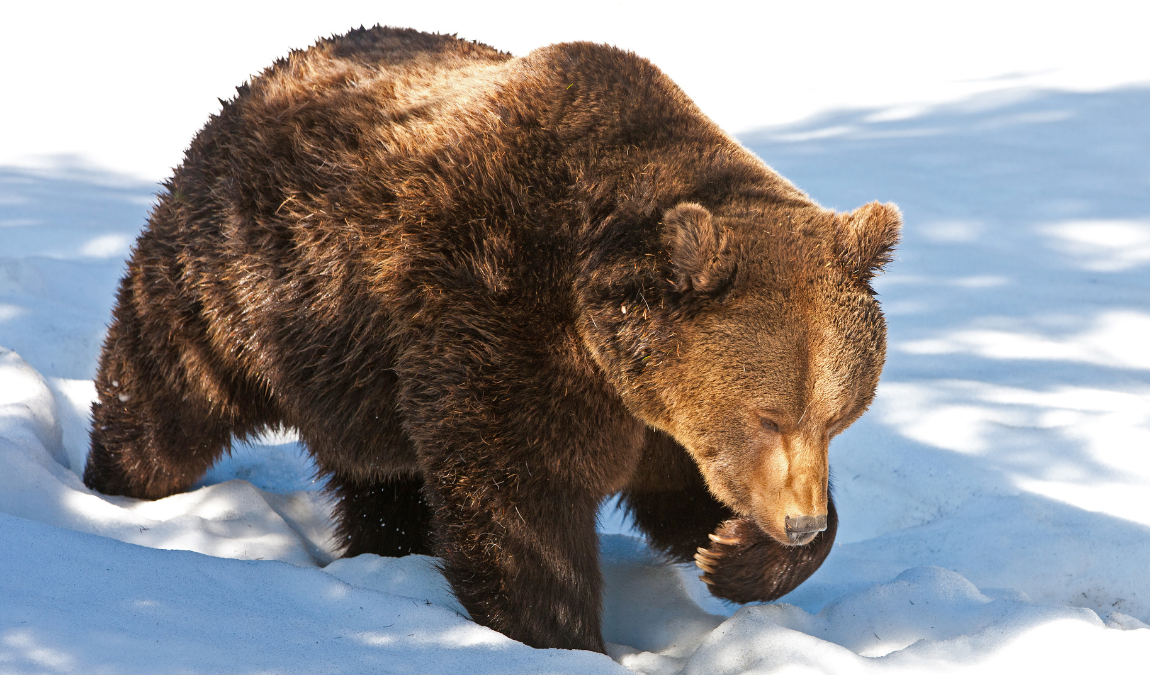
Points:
(744, 564)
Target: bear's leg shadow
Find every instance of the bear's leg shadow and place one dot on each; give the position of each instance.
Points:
(166, 407)
(669, 502)
(389, 517)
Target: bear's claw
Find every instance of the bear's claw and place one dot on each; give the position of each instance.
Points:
(729, 541)
(706, 561)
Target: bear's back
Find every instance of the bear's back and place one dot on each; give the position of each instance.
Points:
(371, 79)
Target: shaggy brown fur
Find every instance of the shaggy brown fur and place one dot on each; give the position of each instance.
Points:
(489, 292)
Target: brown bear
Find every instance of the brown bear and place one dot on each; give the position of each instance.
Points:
(490, 292)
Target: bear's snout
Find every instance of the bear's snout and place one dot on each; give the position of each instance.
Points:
(787, 491)
(802, 529)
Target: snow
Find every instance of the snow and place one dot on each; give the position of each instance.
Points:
(993, 501)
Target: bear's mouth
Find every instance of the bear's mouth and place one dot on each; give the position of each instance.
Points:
(803, 529)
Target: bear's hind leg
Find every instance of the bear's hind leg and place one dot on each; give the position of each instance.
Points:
(388, 518)
(166, 407)
(146, 445)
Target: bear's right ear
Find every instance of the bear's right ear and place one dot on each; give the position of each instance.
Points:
(700, 252)
(866, 239)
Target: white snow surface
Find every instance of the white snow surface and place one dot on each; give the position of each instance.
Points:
(995, 501)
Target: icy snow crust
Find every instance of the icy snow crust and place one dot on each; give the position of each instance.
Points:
(994, 501)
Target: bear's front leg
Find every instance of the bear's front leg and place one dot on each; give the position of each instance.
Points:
(518, 443)
(522, 558)
(744, 564)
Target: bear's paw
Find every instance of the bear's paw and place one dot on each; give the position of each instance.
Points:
(744, 564)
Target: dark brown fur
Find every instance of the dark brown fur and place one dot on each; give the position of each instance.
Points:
(489, 292)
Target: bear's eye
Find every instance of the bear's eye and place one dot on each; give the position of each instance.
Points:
(770, 425)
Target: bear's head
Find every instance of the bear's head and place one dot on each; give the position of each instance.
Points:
(767, 341)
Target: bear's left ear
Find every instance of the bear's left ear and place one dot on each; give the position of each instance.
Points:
(866, 239)
(700, 251)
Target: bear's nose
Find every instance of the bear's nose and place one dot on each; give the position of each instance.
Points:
(802, 529)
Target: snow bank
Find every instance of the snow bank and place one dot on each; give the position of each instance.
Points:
(75, 602)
